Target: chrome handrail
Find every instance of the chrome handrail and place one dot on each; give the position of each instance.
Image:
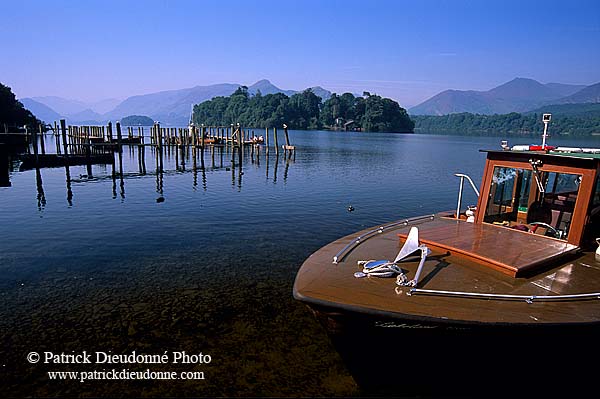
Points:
(363, 237)
(526, 298)
(460, 190)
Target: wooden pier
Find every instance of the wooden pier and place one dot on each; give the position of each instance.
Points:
(194, 149)
(87, 145)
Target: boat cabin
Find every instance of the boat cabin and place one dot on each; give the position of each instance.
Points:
(554, 193)
(535, 207)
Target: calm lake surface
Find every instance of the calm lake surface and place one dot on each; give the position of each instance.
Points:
(203, 260)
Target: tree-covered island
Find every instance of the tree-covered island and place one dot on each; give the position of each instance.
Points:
(137, 120)
(305, 111)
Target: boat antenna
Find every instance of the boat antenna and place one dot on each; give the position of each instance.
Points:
(546, 119)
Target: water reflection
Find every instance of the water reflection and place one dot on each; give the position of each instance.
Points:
(168, 161)
(4, 167)
(69, 191)
(41, 198)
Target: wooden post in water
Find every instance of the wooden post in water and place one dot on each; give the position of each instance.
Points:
(57, 138)
(109, 131)
(241, 145)
(63, 128)
(287, 139)
(202, 135)
(193, 135)
(143, 154)
(71, 137)
(88, 155)
(160, 153)
(276, 145)
(27, 139)
(42, 144)
(267, 141)
(119, 137)
(34, 145)
(77, 138)
(160, 135)
(86, 139)
(288, 148)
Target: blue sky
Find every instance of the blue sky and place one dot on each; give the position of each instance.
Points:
(406, 50)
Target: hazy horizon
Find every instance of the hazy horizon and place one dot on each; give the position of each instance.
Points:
(408, 51)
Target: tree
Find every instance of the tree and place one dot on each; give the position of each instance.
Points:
(371, 113)
(12, 112)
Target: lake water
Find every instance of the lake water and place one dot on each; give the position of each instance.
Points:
(203, 260)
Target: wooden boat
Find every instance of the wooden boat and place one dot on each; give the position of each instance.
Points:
(503, 299)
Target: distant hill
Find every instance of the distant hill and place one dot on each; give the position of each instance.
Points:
(590, 94)
(171, 107)
(41, 111)
(267, 87)
(453, 102)
(321, 92)
(518, 95)
(52, 108)
(591, 110)
(62, 106)
(104, 106)
(85, 115)
(565, 90)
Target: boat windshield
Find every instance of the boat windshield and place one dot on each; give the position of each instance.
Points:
(541, 202)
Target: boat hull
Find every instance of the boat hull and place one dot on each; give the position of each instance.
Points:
(391, 355)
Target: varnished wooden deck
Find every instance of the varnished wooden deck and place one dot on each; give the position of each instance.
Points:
(510, 251)
(322, 283)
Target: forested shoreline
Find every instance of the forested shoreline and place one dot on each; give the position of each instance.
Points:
(513, 124)
(305, 111)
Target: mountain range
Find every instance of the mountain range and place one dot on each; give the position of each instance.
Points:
(518, 95)
(171, 107)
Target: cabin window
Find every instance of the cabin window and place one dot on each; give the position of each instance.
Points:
(541, 202)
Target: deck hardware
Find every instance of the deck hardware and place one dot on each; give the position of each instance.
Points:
(401, 280)
(387, 268)
(460, 190)
(363, 237)
(535, 164)
(527, 298)
(377, 268)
